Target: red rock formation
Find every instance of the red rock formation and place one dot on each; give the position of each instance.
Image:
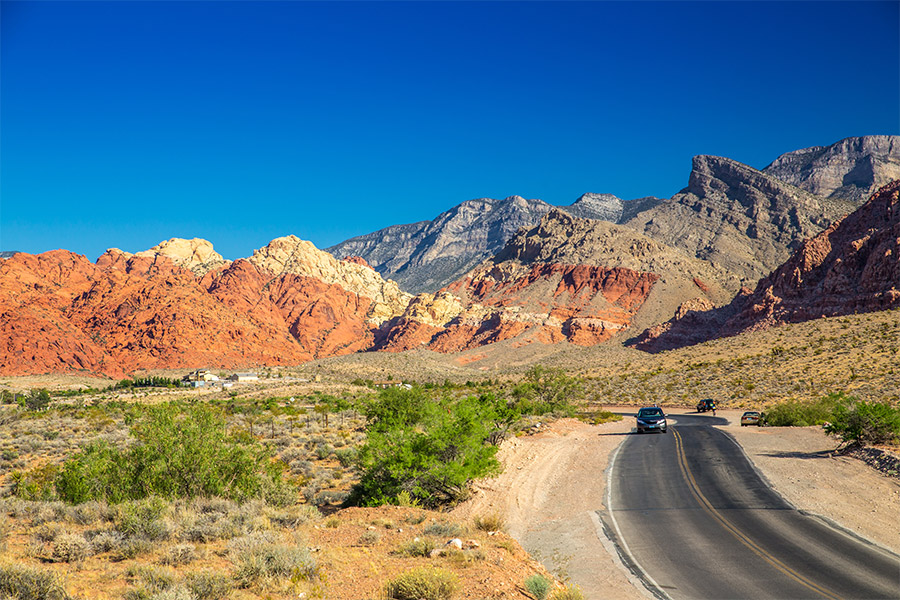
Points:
(585, 304)
(59, 312)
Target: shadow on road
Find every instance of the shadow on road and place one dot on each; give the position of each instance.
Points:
(804, 455)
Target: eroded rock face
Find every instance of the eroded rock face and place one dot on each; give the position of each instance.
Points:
(195, 255)
(572, 279)
(288, 304)
(851, 267)
(739, 219)
(291, 255)
(851, 169)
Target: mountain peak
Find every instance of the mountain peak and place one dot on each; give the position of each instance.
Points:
(850, 169)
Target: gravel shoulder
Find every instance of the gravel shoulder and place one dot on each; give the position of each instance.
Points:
(554, 482)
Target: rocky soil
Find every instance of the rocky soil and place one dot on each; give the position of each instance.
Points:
(553, 482)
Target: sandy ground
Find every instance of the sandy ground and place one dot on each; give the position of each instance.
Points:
(554, 482)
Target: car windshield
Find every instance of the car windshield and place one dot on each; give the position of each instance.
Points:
(650, 412)
(751, 414)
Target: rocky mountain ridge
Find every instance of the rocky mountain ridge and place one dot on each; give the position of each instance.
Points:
(563, 278)
(738, 219)
(427, 255)
(851, 267)
(580, 280)
(851, 169)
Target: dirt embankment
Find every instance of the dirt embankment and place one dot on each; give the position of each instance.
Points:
(555, 481)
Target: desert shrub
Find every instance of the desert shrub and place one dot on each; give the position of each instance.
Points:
(858, 422)
(71, 547)
(144, 518)
(179, 554)
(181, 452)
(106, 541)
(802, 414)
(423, 583)
(603, 416)
(569, 592)
(208, 585)
(131, 547)
(369, 538)
(538, 586)
(38, 484)
(430, 449)
(416, 547)
(36, 399)
(491, 522)
(293, 516)
(29, 583)
(443, 529)
(262, 555)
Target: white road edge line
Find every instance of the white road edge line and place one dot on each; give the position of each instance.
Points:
(644, 574)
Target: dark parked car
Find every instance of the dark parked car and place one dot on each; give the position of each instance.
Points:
(751, 417)
(705, 405)
(651, 418)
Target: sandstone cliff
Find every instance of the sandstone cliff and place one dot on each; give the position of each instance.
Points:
(287, 304)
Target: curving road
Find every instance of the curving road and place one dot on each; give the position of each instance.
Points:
(693, 519)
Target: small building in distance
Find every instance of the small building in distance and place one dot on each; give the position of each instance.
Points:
(199, 378)
(244, 377)
(201, 375)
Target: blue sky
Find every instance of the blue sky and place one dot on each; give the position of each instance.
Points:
(123, 124)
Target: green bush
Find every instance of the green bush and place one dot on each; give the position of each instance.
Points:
(858, 422)
(803, 414)
(546, 390)
(538, 586)
(181, 452)
(423, 583)
(427, 448)
(30, 583)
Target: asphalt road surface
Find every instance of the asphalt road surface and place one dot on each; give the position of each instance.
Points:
(693, 519)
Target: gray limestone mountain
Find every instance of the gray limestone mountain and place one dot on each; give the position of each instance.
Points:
(427, 255)
(739, 219)
(851, 169)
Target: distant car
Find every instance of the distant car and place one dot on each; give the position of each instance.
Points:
(651, 418)
(751, 417)
(705, 405)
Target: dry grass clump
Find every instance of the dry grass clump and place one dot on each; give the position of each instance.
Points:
(30, 583)
(491, 522)
(423, 583)
(262, 557)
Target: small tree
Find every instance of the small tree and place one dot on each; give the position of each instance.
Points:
(37, 399)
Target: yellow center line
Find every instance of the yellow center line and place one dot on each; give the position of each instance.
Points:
(708, 507)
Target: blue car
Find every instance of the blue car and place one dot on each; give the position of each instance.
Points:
(651, 418)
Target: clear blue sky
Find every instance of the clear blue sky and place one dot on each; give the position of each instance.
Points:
(127, 123)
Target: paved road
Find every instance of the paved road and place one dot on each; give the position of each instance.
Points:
(690, 511)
